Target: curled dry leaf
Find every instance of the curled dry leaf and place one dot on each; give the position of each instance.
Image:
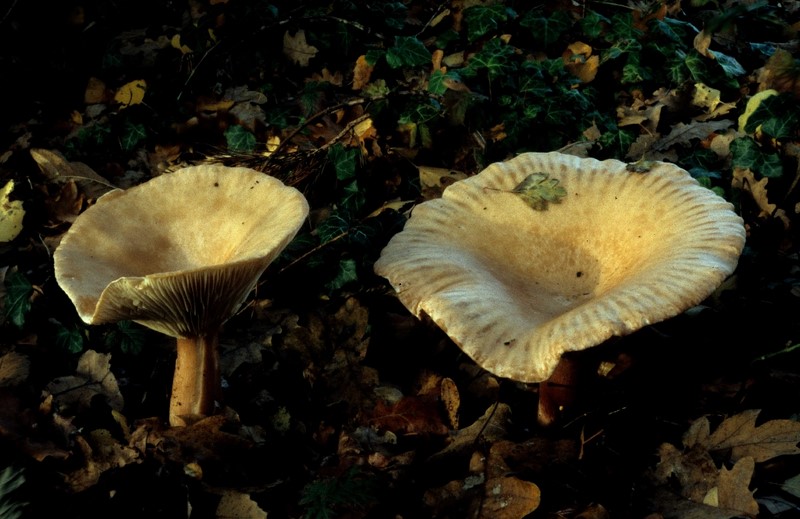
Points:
(11, 214)
(237, 505)
(509, 498)
(14, 369)
(93, 377)
(58, 169)
(101, 452)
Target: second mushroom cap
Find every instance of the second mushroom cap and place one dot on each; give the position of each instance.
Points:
(516, 288)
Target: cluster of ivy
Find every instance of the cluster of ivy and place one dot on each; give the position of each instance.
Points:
(516, 93)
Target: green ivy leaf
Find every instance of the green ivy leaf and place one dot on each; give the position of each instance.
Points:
(593, 24)
(538, 190)
(729, 65)
(239, 139)
(437, 83)
(408, 51)
(346, 273)
(18, 298)
(745, 153)
(132, 135)
(373, 56)
(778, 116)
(127, 336)
(546, 29)
(481, 19)
(353, 198)
(494, 57)
(70, 340)
(344, 161)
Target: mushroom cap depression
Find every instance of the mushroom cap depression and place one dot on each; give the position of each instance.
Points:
(179, 253)
(515, 288)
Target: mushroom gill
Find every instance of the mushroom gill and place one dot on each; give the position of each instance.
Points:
(179, 254)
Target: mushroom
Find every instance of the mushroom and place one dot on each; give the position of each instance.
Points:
(179, 254)
(516, 288)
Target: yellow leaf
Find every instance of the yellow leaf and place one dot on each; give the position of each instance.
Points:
(752, 105)
(131, 93)
(579, 62)
(11, 214)
(361, 73)
(705, 96)
(297, 49)
(176, 44)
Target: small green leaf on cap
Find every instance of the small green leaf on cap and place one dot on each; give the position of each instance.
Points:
(538, 189)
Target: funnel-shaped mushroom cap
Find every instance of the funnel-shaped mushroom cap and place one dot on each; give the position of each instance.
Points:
(515, 288)
(179, 253)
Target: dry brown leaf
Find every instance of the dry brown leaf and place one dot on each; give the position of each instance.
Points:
(67, 204)
(769, 440)
(451, 400)
(361, 73)
(745, 180)
(781, 73)
(694, 470)
(490, 427)
(509, 498)
(733, 488)
(14, 369)
(58, 169)
(701, 43)
(297, 49)
(579, 62)
(101, 453)
(682, 134)
(93, 377)
(95, 92)
(237, 505)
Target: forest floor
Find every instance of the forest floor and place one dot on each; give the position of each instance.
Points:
(338, 401)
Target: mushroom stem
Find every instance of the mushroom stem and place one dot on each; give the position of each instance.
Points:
(558, 391)
(196, 383)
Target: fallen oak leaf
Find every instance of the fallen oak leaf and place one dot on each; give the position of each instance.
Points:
(684, 133)
(733, 487)
(297, 49)
(764, 442)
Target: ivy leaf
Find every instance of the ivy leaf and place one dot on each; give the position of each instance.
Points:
(239, 139)
(778, 116)
(18, 298)
(482, 19)
(344, 161)
(746, 154)
(592, 24)
(346, 273)
(132, 135)
(127, 337)
(546, 29)
(438, 82)
(69, 340)
(494, 57)
(729, 65)
(353, 198)
(538, 189)
(407, 51)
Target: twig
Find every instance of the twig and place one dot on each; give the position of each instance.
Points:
(8, 12)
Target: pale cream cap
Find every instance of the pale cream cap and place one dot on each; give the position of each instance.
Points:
(179, 253)
(515, 288)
